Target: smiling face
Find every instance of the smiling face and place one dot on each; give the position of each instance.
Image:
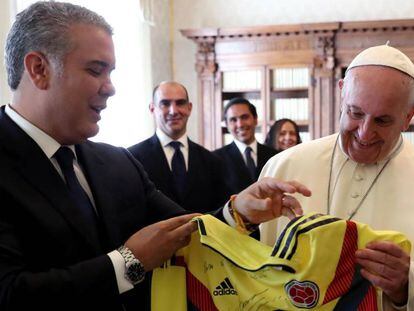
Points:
(171, 109)
(241, 123)
(287, 136)
(78, 94)
(375, 110)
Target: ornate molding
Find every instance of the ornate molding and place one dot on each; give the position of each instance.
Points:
(325, 51)
(402, 25)
(289, 38)
(206, 65)
(255, 32)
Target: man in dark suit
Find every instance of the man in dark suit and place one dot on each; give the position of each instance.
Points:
(203, 188)
(81, 236)
(244, 158)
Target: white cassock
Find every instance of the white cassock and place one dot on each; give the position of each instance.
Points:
(381, 195)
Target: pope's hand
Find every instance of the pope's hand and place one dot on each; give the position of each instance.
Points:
(269, 198)
(386, 265)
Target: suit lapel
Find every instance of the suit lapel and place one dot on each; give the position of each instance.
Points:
(194, 163)
(264, 153)
(261, 161)
(160, 171)
(161, 167)
(36, 169)
(46, 179)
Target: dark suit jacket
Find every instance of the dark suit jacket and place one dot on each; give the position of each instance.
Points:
(237, 175)
(47, 261)
(206, 189)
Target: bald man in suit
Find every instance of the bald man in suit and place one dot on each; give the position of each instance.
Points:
(202, 187)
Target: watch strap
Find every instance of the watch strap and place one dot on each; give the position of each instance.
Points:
(134, 270)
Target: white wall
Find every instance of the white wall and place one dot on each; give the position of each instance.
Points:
(236, 13)
(161, 43)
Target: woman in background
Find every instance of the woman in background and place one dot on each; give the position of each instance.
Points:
(283, 134)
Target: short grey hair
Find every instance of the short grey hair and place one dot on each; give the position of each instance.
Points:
(44, 27)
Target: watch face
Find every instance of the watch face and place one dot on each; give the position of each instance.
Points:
(135, 272)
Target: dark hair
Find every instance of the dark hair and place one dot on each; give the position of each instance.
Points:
(154, 91)
(271, 137)
(239, 101)
(45, 27)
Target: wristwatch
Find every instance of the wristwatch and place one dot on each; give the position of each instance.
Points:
(134, 270)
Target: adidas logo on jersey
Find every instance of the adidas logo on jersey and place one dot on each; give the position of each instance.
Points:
(225, 288)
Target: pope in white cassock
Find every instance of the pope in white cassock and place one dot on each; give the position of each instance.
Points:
(366, 171)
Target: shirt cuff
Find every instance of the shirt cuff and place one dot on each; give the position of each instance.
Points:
(119, 266)
(404, 307)
(227, 217)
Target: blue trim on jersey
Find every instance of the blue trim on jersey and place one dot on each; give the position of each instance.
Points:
(313, 226)
(290, 224)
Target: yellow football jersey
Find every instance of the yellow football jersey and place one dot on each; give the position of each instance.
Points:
(311, 266)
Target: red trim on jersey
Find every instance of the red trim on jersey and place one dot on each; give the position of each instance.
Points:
(198, 294)
(345, 268)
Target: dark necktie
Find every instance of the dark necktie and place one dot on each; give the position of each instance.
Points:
(251, 166)
(178, 168)
(64, 156)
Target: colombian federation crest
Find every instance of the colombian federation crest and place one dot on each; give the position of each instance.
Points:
(302, 294)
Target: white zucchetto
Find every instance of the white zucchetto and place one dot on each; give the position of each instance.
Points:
(383, 55)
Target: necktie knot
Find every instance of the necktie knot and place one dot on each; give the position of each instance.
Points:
(176, 145)
(64, 156)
